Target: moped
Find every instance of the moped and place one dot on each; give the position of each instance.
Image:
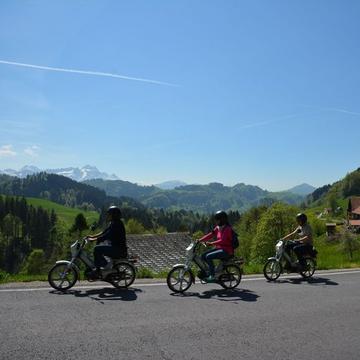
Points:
(285, 261)
(64, 274)
(227, 274)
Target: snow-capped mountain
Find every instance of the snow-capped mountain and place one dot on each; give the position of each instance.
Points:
(23, 172)
(87, 172)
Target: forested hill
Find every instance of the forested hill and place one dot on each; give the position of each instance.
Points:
(120, 188)
(201, 198)
(329, 194)
(62, 190)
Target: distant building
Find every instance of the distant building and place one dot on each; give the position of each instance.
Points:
(353, 213)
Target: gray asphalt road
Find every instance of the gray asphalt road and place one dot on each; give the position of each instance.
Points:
(290, 319)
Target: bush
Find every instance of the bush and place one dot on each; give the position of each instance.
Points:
(134, 227)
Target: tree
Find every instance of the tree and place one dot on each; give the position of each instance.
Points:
(332, 202)
(246, 229)
(80, 224)
(276, 222)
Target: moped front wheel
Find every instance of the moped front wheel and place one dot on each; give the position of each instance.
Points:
(62, 277)
(230, 277)
(272, 270)
(309, 270)
(179, 279)
(124, 276)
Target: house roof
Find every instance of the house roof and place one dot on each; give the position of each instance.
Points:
(354, 222)
(354, 204)
(158, 252)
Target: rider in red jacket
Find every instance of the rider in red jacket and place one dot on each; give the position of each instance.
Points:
(223, 243)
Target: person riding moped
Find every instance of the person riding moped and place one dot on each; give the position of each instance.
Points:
(115, 235)
(303, 244)
(223, 243)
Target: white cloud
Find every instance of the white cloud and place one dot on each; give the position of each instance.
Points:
(86, 72)
(7, 151)
(32, 151)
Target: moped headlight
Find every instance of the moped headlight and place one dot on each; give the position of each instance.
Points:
(278, 245)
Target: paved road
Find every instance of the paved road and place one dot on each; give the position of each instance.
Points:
(290, 319)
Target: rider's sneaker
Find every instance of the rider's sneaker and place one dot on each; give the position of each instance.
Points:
(210, 279)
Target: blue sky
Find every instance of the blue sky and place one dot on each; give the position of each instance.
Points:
(261, 92)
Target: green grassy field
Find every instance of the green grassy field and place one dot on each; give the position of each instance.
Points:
(64, 213)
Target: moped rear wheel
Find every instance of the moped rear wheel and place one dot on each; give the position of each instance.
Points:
(230, 277)
(309, 268)
(179, 279)
(124, 276)
(61, 277)
(272, 270)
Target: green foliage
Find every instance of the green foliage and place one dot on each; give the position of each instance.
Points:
(201, 198)
(60, 189)
(318, 226)
(275, 223)
(197, 235)
(3, 276)
(133, 226)
(35, 263)
(145, 273)
(350, 243)
(332, 201)
(351, 184)
(246, 229)
(160, 230)
(65, 214)
(80, 224)
(333, 255)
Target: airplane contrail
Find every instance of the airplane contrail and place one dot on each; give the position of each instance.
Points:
(86, 72)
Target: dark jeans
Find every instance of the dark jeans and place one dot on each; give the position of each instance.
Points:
(210, 255)
(107, 250)
(300, 251)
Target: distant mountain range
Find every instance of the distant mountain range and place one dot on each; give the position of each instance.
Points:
(175, 194)
(201, 198)
(78, 174)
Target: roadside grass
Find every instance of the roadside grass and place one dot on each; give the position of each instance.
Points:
(9, 278)
(331, 255)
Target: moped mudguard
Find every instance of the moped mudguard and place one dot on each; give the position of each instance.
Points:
(74, 266)
(272, 258)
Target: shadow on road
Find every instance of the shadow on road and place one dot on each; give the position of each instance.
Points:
(102, 294)
(311, 281)
(223, 295)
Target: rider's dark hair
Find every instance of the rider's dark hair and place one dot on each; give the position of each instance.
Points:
(115, 213)
(222, 217)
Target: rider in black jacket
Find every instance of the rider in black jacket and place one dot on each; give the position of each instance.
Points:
(115, 236)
